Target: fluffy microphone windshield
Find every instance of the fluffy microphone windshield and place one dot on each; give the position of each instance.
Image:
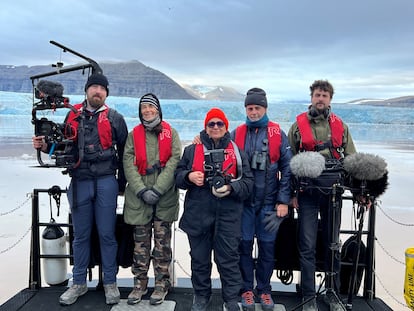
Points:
(307, 164)
(365, 166)
(50, 88)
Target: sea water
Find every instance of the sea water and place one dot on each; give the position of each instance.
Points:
(367, 123)
(386, 131)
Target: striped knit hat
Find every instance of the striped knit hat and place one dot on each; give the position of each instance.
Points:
(151, 99)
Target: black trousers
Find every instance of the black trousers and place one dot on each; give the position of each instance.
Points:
(223, 243)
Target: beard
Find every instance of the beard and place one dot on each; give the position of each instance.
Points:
(96, 101)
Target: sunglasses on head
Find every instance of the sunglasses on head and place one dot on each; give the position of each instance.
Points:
(213, 124)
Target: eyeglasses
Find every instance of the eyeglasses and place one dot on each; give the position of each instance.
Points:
(213, 124)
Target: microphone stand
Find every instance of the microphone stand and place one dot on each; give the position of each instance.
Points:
(334, 247)
(362, 207)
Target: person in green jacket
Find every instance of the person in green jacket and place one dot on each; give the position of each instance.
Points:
(152, 152)
(320, 130)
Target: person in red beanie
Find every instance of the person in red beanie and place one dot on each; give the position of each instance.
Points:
(217, 177)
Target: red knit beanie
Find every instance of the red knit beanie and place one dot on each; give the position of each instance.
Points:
(216, 113)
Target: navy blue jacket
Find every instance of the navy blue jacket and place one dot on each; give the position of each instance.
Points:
(271, 185)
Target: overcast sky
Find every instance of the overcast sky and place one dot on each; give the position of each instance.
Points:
(364, 47)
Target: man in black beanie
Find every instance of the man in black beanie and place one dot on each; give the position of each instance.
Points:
(99, 134)
(97, 79)
(269, 155)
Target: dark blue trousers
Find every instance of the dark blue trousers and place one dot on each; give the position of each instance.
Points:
(96, 201)
(253, 227)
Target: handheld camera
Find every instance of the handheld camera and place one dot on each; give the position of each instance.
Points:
(213, 166)
(48, 95)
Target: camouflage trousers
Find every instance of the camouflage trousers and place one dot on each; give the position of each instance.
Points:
(161, 254)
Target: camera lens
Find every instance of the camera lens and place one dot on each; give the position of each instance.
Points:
(218, 181)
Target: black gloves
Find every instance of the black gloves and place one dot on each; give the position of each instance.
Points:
(150, 196)
(271, 221)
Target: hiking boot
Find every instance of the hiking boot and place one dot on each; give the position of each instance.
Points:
(310, 305)
(266, 302)
(247, 301)
(333, 303)
(158, 295)
(231, 306)
(136, 295)
(72, 294)
(112, 294)
(200, 303)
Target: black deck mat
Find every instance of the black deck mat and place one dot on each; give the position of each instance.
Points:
(47, 299)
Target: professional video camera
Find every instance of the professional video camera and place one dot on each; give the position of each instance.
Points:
(51, 97)
(48, 95)
(213, 167)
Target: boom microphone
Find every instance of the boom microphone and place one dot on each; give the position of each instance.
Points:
(307, 164)
(365, 166)
(45, 88)
(367, 171)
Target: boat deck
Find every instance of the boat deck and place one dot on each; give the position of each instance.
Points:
(178, 299)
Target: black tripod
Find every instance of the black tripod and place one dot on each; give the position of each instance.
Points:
(334, 211)
(362, 207)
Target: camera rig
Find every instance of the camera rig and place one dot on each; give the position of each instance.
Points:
(48, 95)
(213, 166)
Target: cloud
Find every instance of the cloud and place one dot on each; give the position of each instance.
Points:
(363, 47)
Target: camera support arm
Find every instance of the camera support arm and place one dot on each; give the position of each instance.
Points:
(91, 64)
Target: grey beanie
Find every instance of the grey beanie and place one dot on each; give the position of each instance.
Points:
(256, 96)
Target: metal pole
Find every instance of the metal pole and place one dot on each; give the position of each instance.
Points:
(369, 286)
(34, 269)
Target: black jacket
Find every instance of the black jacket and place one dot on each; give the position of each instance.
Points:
(202, 210)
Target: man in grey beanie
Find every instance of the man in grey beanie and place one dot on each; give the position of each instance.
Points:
(269, 155)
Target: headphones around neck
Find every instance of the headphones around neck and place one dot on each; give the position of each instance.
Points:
(315, 112)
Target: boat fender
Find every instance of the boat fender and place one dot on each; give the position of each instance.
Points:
(54, 243)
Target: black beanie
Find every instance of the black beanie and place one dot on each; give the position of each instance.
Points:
(256, 96)
(151, 99)
(99, 79)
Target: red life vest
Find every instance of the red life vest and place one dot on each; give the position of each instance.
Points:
(229, 164)
(309, 143)
(164, 146)
(103, 124)
(273, 134)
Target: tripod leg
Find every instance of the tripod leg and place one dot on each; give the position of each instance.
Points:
(352, 283)
(331, 298)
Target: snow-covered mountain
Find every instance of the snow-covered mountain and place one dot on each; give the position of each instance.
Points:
(404, 101)
(221, 93)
